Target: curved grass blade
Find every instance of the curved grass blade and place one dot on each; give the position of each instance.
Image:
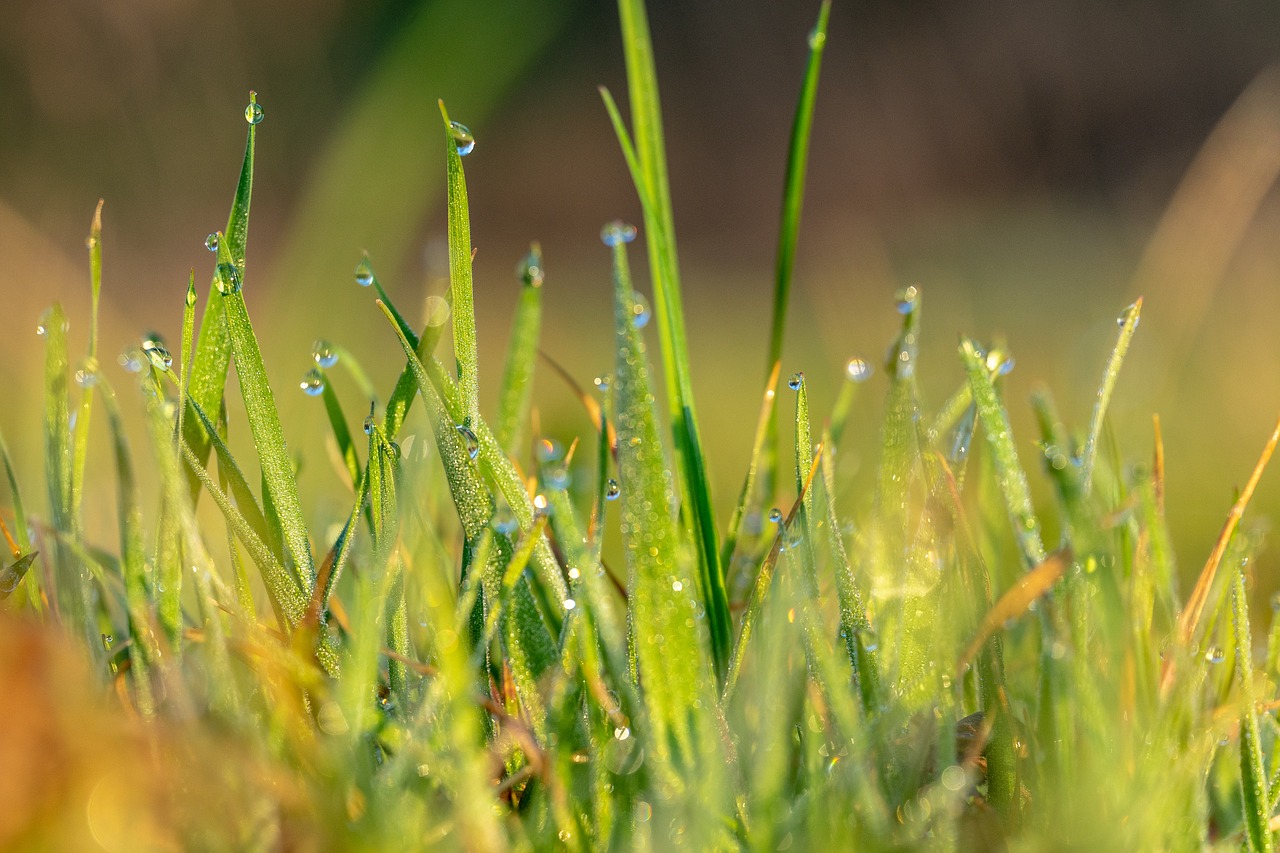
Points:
(264, 420)
(464, 312)
(1128, 324)
(1015, 601)
(649, 173)
(14, 572)
(341, 434)
(1009, 472)
(212, 356)
(517, 376)
(748, 492)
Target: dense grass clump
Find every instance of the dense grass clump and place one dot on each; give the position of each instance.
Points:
(458, 667)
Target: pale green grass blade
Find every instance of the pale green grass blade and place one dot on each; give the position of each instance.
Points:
(853, 611)
(80, 439)
(185, 353)
(1009, 472)
(338, 423)
(650, 178)
(856, 372)
(670, 647)
(264, 420)
(1253, 776)
(464, 312)
(385, 524)
(212, 356)
(14, 574)
(1128, 322)
(229, 471)
(517, 376)
(747, 495)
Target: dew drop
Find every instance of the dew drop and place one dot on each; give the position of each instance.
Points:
(462, 138)
(504, 522)
(211, 242)
(573, 573)
(622, 732)
(640, 311)
(677, 586)
(323, 353)
(796, 382)
(540, 503)
(529, 270)
(228, 278)
(564, 835)
(907, 299)
(569, 604)
(469, 440)
(868, 639)
(107, 640)
(190, 298)
(616, 233)
(817, 39)
(612, 490)
(157, 353)
(1127, 315)
(857, 370)
(368, 425)
(253, 113)
(775, 515)
(558, 477)
(601, 382)
(87, 375)
(364, 273)
(312, 382)
(1215, 654)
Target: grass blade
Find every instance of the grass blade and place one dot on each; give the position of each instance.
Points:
(464, 312)
(264, 420)
(517, 376)
(212, 356)
(748, 492)
(1253, 776)
(80, 439)
(650, 178)
(1128, 324)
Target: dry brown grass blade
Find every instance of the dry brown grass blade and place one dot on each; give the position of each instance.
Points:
(1016, 600)
(1194, 608)
(1157, 465)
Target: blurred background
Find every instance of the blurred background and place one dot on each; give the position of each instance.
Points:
(1032, 167)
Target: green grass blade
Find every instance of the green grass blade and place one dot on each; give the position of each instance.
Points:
(1009, 472)
(80, 440)
(212, 356)
(1128, 322)
(464, 312)
(669, 650)
(517, 376)
(748, 492)
(184, 355)
(338, 423)
(21, 530)
(264, 420)
(234, 479)
(1253, 776)
(652, 185)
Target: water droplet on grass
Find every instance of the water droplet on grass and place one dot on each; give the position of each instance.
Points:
(312, 383)
(569, 604)
(817, 39)
(857, 370)
(157, 353)
(775, 515)
(368, 425)
(469, 440)
(1130, 313)
(602, 382)
(616, 233)
(228, 279)
(868, 639)
(211, 242)
(1215, 654)
(529, 270)
(640, 312)
(549, 450)
(253, 113)
(462, 138)
(796, 382)
(612, 490)
(324, 354)
(907, 299)
(87, 375)
(364, 273)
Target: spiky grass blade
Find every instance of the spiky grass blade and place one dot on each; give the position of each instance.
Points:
(669, 645)
(464, 312)
(517, 376)
(1128, 325)
(1253, 776)
(649, 174)
(1009, 472)
(212, 356)
(80, 438)
(281, 487)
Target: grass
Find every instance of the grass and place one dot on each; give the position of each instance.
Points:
(460, 663)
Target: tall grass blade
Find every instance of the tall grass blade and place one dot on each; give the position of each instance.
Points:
(1253, 776)
(80, 438)
(212, 356)
(650, 178)
(464, 312)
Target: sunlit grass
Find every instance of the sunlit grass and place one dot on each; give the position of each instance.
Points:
(455, 662)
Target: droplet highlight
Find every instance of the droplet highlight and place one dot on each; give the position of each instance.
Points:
(616, 233)
(612, 490)
(253, 113)
(796, 382)
(364, 273)
(312, 383)
(469, 440)
(323, 353)
(212, 241)
(907, 299)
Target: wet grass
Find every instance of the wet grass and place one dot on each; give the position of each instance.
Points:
(457, 663)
